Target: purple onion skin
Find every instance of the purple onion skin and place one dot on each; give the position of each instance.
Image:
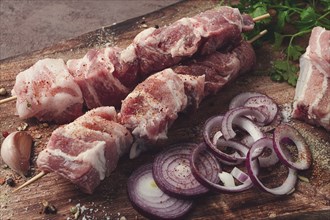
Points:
(284, 189)
(180, 152)
(285, 133)
(264, 104)
(149, 212)
(213, 186)
(231, 115)
(240, 99)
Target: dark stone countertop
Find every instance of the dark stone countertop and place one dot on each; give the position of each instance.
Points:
(29, 25)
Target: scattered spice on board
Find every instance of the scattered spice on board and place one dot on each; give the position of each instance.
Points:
(48, 208)
(22, 127)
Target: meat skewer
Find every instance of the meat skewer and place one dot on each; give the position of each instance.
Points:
(106, 76)
(188, 87)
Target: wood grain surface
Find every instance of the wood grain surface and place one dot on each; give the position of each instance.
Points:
(310, 200)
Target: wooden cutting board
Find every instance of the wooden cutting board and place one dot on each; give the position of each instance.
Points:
(309, 201)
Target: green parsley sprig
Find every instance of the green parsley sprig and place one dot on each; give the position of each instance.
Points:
(301, 16)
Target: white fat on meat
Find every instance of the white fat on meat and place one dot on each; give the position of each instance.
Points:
(194, 88)
(94, 156)
(231, 15)
(48, 92)
(88, 149)
(94, 74)
(153, 105)
(312, 95)
(181, 48)
(318, 49)
(128, 55)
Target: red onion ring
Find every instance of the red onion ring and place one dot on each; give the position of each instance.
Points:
(247, 140)
(285, 131)
(210, 125)
(229, 159)
(150, 201)
(214, 186)
(172, 172)
(273, 124)
(253, 170)
(235, 114)
(264, 104)
(240, 99)
(266, 161)
(247, 125)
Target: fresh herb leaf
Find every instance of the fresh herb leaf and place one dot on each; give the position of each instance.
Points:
(301, 15)
(308, 14)
(294, 52)
(285, 70)
(281, 20)
(278, 40)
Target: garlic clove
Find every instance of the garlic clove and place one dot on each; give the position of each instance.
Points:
(16, 151)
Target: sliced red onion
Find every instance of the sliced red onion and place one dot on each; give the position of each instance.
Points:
(211, 125)
(304, 159)
(264, 104)
(269, 160)
(241, 98)
(216, 137)
(239, 175)
(253, 170)
(247, 125)
(172, 172)
(276, 121)
(147, 198)
(247, 140)
(232, 159)
(204, 181)
(235, 114)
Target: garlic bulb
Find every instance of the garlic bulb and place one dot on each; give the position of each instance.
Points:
(16, 151)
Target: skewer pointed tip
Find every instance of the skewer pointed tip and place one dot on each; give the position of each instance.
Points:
(261, 17)
(35, 178)
(3, 101)
(262, 33)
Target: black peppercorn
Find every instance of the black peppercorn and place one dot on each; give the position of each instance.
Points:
(10, 182)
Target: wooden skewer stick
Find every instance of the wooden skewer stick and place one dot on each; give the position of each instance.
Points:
(261, 17)
(35, 178)
(262, 33)
(3, 101)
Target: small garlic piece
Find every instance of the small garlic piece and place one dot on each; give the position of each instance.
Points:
(16, 151)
